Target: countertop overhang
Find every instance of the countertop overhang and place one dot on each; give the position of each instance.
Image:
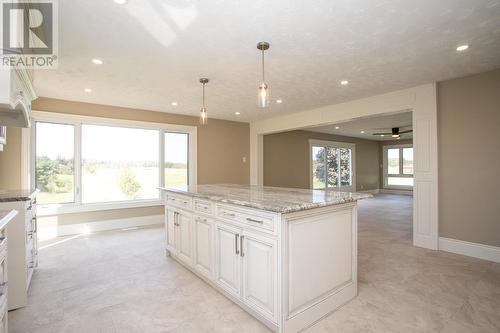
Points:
(274, 199)
(17, 195)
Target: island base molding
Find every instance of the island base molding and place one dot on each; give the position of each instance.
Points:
(288, 270)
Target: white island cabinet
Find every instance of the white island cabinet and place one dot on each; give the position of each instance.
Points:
(287, 256)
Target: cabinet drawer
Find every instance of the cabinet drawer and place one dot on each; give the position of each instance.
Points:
(255, 219)
(179, 201)
(203, 206)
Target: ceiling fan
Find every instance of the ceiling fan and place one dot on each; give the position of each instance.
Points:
(395, 132)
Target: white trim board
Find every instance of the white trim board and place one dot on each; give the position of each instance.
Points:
(394, 191)
(481, 251)
(374, 191)
(50, 229)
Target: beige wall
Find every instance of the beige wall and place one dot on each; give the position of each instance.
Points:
(221, 148)
(10, 160)
(469, 158)
(286, 159)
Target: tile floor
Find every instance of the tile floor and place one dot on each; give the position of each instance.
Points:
(120, 281)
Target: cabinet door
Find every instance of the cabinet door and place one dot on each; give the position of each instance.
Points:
(170, 230)
(185, 237)
(259, 267)
(203, 246)
(227, 258)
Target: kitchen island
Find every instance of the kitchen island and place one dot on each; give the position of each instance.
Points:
(287, 256)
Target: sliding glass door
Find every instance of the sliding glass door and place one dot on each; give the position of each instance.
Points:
(332, 165)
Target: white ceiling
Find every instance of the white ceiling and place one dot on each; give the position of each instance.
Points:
(155, 51)
(370, 125)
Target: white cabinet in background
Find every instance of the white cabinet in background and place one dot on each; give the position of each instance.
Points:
(185, 249)
(22, 258)
(227, 258)
(170, 230)
(259, 280)
(179, 234)
(203, 246)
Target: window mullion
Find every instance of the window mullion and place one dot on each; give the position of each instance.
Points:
(401, 161)
(325, 153)
(161, 162)
(338, 166)
(78, 164)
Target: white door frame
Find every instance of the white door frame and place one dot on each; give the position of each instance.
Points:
(421, 100)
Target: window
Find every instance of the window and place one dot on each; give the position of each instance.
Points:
(119, 163)
(398, 167)
(332, 165)
(176, 158)
(54, 163)
(83, 163)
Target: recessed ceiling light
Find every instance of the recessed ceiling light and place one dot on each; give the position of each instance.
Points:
(382, 135)
(362, 132)
(337, 127)
(237, 113)
(462, 47)
(121, 2)
(97, 61)
(279, 101)
(344, 82)
(87, 90)
(174, 103)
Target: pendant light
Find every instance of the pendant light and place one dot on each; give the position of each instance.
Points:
(263, 95)
(203, 110)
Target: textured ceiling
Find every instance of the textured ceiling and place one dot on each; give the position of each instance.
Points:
(155, 51)
(370, 125)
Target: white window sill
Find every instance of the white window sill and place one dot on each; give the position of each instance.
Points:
(57, 209)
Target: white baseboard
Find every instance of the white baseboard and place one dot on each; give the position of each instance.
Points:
(392, 191)
(48, 229)
(481, 251)
(375, 191)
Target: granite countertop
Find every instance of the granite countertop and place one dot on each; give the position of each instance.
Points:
(16, 195)
(274, 199)
(6, 216)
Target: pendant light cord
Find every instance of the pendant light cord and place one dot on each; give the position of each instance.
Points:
(263, 77)
(203, 95)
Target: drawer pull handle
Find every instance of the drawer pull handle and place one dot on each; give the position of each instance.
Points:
(236, 236)
(256, 221)
(176, 219)
(200, 219)
(241, 245)
(228, 214)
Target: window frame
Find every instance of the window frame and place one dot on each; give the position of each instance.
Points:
(333, 144)
(400, 174)
(77, 121)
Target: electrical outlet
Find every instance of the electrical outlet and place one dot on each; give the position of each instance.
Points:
(244, 159)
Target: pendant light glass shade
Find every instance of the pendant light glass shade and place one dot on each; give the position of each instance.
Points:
(203, 116)
(203, 110)
(263, 91)
(263, 95)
